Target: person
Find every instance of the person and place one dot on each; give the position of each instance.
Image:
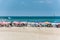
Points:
(11, 24)
(58, 26)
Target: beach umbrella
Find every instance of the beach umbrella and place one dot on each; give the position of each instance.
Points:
(16, 22)
(5, 23)
(47, 22)
(24, 22)
(32, 23)
(8, 22)
(40, 23)
(29, 22)
(0, 22)
(55, 23)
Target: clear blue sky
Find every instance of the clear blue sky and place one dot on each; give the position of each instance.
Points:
(29, 7)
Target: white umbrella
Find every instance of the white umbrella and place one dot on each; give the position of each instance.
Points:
(23, 22)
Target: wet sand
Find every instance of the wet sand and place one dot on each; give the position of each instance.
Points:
(29, 33)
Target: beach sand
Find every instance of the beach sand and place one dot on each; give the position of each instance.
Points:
(29, 33)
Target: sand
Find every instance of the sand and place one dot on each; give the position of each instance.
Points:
(29, 33)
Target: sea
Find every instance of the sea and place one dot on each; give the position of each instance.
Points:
(52, 19)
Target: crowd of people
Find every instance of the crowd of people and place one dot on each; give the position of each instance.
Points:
(27, 24)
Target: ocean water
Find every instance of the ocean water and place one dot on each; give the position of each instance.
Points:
(30, 18)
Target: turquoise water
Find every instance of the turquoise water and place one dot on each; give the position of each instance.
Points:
(30, 18)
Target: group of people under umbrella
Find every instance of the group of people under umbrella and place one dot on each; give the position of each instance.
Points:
(12, 24)
(27, 24)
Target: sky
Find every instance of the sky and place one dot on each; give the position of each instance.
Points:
(29, 7)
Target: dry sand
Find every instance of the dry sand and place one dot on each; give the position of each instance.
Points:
(29, 33)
